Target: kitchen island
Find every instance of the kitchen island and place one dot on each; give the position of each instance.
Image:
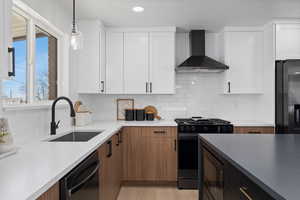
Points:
(249, 166)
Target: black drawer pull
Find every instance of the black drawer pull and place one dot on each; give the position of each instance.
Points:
(160, 132)
(255, 132)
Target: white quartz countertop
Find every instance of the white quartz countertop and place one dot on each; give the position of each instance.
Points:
(40, 164)
(252, 123)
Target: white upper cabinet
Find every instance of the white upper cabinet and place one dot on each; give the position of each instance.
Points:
(5, 38)
(114, 63)
(162, 63)
(136, 62)
(243, 53)
(91, 61)
(140, 61)
(287, 41)
(126, 61)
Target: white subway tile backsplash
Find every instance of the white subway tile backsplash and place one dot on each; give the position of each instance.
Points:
(197, 94)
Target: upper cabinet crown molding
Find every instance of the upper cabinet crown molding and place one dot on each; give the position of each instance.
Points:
(142, 29)
(242, 28)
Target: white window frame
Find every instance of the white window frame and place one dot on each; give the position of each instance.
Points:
(34, 19)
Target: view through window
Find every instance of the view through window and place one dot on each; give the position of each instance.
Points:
(44, 72)
(46, 66)
(15, 89)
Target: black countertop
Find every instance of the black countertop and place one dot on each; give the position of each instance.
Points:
(271, 161)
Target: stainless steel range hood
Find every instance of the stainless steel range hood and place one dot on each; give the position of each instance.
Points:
(198, 62)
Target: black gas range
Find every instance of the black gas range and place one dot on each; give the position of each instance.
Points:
(188, 130)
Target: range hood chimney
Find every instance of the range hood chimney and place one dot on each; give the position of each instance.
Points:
(198, 62)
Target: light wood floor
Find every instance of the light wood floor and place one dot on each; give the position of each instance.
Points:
(156, 193)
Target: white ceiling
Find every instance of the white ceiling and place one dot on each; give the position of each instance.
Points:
(187, 14)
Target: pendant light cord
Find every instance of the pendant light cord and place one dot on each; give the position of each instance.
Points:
(74, 22)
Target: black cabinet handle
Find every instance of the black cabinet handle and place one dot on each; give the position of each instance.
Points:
(109, 143)
(120, 139)
(150, 87)
(229, 87)
(102, 86)
(175, 145)
(13, 52)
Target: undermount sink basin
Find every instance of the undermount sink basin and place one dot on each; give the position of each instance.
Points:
(76, 137)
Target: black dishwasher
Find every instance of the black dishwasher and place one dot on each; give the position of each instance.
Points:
(82, 182)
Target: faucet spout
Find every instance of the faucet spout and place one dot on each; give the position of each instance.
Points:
(53, 124)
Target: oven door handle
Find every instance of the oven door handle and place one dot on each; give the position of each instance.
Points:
(85, 180)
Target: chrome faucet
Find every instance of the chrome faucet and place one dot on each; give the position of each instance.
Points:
(53, 124)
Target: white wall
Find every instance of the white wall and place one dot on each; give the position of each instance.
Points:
(29, 124)
(198, 94)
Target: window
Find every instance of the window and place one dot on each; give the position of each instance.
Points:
(46, 66)
(36, 56)
(15, 89)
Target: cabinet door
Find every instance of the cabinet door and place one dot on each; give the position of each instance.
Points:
(5, 37)
(244, 56)
(162, 63)
(89, 58)
(115, 167)
(114, 63)
(231, 182)
(106, 171)
(136, 62)
(132, 153)
(287, 41)
(160, 157)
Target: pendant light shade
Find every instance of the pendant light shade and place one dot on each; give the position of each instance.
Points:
(76, 40)
(76, 36)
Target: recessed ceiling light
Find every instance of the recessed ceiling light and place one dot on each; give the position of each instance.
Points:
(138, 9)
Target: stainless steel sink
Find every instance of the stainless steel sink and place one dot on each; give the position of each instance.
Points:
(79, 136)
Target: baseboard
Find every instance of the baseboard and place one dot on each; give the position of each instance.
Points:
(149, 183)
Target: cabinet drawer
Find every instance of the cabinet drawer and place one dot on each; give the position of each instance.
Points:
(253, 130)
(159, 132)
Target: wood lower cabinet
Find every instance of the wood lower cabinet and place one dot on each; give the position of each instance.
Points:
(110, 156)
(254, 130)
(51, 194)
(150, 154)
(105, 172)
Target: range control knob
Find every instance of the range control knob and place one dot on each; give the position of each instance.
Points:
(205, 128)
(193, 128)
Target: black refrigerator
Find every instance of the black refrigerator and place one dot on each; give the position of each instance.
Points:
(288, 97)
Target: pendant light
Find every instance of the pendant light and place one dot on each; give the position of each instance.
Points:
(76, 36)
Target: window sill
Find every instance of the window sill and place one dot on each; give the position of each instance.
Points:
(33, 106)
